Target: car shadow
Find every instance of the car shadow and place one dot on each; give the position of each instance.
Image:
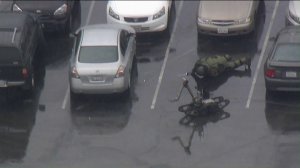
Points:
(104, 114)
(16, 123)
(282, 112)
(17, 115)
(151, 46)
(17, 119)
(235, 46)
(58, 47)
(101, 115)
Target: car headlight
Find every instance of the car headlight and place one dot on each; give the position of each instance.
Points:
(204, 21)
(113, 14)
(61, 11)
(16, 8)
(159, 13)
(243, 21)
(294, 16)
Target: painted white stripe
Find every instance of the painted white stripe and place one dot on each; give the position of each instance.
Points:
(64, 104)
(90, 12)
(166, 57)
(262, 55)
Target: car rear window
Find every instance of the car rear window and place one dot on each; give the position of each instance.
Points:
(9, 55)
(98, 54)
(287, 52)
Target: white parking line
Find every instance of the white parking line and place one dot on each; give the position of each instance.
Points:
(90, 12)
(262, 55)
(64, 104)
(166, 57)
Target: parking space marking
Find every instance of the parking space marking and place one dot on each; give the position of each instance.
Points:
(90, 12)
(262, 55)
(64, 104)
(166, 57)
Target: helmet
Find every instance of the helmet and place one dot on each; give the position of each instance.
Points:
(200, 70)
(227, 57)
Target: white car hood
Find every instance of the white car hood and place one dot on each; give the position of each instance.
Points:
(136, 8)
(295, 7)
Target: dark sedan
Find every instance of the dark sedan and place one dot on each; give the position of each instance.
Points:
(282, 67)
(54, 15)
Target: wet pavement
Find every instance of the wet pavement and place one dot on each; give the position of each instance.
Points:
(117, 131)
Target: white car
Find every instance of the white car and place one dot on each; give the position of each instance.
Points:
(293, 14)
(143, 16)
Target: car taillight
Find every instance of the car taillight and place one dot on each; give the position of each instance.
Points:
(74, 72)
(120, 72)
(270, 73)
(25, 73)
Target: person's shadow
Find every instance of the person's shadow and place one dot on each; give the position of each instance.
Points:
(210, 84)
(197, 124)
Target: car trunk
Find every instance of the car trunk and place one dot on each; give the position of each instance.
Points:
(286, 70)
(10, 64)
(97, 73)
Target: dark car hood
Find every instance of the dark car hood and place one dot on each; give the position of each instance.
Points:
(40, 5)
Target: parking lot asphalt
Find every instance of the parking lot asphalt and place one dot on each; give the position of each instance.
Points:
(144, 130)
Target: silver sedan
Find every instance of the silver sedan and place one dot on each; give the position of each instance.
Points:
(102, 59)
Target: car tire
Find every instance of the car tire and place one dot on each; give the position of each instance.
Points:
(32, 81)
(135, 68)
(199, 37)
(126, 93)
(73, 99)
(67, 27)
(270, 94)
(30, 86)
(168, 31)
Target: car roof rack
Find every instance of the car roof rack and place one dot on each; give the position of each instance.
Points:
(14, 35)
(14, 30)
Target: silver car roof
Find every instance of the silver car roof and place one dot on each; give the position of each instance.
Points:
(102, 34)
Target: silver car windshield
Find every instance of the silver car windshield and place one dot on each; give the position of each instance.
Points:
(287, 52)
(98, 54)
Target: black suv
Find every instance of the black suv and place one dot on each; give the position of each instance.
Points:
(54, 15)
(19, 41)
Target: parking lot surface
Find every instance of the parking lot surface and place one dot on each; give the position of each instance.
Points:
(144, 131)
